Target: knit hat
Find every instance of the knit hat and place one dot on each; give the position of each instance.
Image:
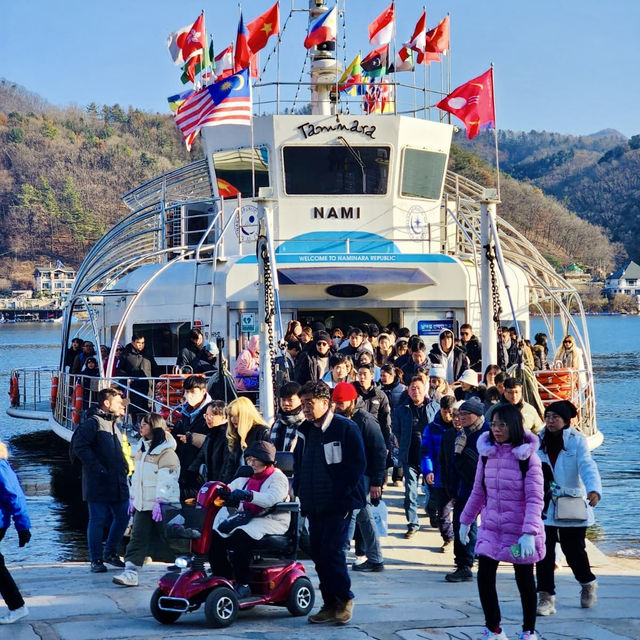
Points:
(400, 341)
(322, 336)
(469, 376)
(261, 450)
(565, 409)
(211, 347)
(344, 392)
(473, 406)
(438, 372)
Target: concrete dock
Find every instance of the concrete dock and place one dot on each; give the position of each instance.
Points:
(410, 600)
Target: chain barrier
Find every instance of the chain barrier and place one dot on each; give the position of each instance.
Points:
(495, 291)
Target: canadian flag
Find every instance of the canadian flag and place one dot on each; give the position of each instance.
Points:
(382, 29)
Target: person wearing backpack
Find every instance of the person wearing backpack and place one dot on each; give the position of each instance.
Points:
(97, 442)
(510, 499)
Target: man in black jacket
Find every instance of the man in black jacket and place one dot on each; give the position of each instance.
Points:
(471, 346)
(135, 364)
(374, 400)
(344, 399)
(329, 466)
(97, 442)
(314, 363)
(190, 351)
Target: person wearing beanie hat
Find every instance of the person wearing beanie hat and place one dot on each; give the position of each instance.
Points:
(239, 530)
(447, 355)
(345, 402)
(474, 406)
(565, 456)
(313, 363)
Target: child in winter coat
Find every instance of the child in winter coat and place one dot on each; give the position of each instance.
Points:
(508, 490)
(13, 504)
(154, 483)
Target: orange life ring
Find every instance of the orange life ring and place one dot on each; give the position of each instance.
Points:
(14, 391)
(76, 404)
(54, 391)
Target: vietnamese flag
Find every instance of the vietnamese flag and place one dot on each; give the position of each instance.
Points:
(263, 27)
(226, 189)
(382, 29)
(242, 57)
(473, 102)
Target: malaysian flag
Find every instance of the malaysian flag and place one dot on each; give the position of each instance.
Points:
(225, 102)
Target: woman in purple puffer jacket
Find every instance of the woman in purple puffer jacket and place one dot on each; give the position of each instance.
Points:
(508, 492)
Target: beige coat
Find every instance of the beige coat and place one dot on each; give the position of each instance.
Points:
(155, 476)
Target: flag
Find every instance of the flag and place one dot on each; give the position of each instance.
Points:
(263, 27)
(226, 189)
(418, 40)
(403, 61)
(473, 103)
(223, 63)
(351, 77)
(178, 99)
(323, 29)
(437, 40)
(382, 29)
(242, 56)
(225, 102)
(175, 41)
(377, 98)
(198, 64)
(375, 64)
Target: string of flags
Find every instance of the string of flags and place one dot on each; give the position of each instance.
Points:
(225, 78)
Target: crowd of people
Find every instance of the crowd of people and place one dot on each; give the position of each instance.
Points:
(359, 410)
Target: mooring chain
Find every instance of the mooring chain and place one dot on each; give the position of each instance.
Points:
(495, 292)
(270, 312)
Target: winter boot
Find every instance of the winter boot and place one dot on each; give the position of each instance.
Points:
(588, 595)
(546, 604)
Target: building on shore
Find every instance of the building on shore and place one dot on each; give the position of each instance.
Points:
(625, 280)
(56, 281)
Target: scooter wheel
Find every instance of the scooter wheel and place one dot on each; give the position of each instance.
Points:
(165, 617)
(221, 607)
(301, 597)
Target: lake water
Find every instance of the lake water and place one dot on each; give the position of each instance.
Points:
(58, 514)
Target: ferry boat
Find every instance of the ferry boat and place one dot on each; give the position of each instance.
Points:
(340, 218)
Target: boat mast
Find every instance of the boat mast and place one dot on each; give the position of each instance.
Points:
(325, 68)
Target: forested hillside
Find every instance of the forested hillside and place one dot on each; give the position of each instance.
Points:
(597, 176)
(62, 172)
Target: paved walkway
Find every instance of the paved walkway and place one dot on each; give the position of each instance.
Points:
(410, 600)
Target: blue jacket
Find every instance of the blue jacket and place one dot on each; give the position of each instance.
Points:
(430, 448)
(402, 427)
(13, 502)
(345, 458)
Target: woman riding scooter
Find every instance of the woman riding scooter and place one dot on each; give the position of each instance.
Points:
(240, 529)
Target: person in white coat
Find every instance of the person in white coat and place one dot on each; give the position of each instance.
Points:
(154, 482)
(240, 529)
(567, 461)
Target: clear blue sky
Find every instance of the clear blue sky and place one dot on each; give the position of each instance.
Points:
(564, 65)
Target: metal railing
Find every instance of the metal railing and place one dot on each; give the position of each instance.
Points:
(34, 385)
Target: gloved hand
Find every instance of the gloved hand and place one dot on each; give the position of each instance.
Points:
(131, 508)
(156, 512)
(463, 534)
(23, 537)
(241, 495)
(527, 544)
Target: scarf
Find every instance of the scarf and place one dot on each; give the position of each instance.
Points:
(505, 351)
(463, 434)
(254, 484)
(290, 420)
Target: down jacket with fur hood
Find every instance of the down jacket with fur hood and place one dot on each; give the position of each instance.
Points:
(155, 476)
(509, 505)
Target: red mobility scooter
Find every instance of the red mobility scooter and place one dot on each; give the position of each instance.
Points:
(277, 578)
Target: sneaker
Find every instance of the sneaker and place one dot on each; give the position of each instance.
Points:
(326, 614)
(113, 560)
(97, 566)
(546, 604)
(360, 559)
(461, 574)
(588, 595)
(344, 611)
(128, 578)
(242, 591)
(487, 634)
(446, 545)
(411, 531)
(368, 566)
(15, 615)
(527, 635)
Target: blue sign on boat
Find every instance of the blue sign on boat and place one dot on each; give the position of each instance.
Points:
(433, 327)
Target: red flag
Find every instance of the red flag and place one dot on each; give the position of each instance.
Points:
(226, 189)
(418, 40)
(242, 57)
(223, 63)
(196, 39)
(473, 103)
(438, 38)
(382, 29)
(263, 27)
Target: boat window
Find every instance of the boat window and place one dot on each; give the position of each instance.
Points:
(237, 168)
(163, 339)
(423, 173)
(336, 170)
